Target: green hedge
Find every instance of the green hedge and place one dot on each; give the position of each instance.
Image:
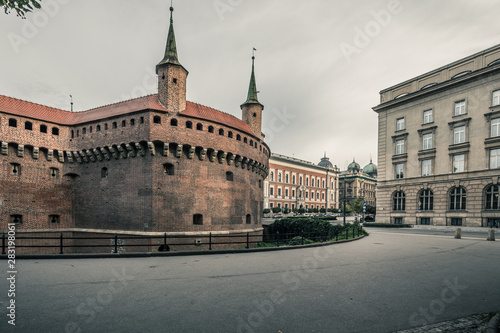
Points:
(310, 227)
(387, 225)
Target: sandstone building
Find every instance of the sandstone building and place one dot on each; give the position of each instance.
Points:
(293, 183)
(157, 163)
(439, 145)
(356, 183)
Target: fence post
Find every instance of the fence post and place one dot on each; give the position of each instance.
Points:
(353, 230)
(302, 238)
(210, 242)
(116, 243)
(3, 243)
(336, 235)
(248, 245)
(61, 244)
(346, 233)
(277, 239)
(165, 241)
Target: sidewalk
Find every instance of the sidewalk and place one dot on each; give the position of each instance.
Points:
(453, 228)
(472, 324)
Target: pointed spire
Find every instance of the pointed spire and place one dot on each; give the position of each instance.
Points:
(171, 48)
(252, 89)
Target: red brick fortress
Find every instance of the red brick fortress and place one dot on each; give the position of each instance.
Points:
(152, 164)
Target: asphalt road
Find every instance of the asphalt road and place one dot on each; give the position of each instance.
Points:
(388, 281)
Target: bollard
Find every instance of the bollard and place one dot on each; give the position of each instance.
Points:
(3, 243)
(61, 244)
(491, 235)
(458, 233)
(248, 242)
(210, 242)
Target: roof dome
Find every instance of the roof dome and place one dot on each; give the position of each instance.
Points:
(325, 162)
(354, 166)
(370, 169)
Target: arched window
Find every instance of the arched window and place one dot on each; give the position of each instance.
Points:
(457, 198)
(43, 128)
(72, 134)
(55, 131)
(199, 127)
(28, 126)
(229, 176)
(54, 219)
(399, 201)
(426, 200)
(157, 120)
(90, 129)
(221, 131)
(104, 173)
(124, 123)
(173, 122)
(245, 140)
(492, 197)
(105, 127)
(168, 169)
(12, 122)
(238, 137)
(84, 130)
(210, 129)
(98, 128)
(249, 219)
(115, 125)
(198, 219)
(189, 124)
(132, 122)
(230, 134)
(251, 142)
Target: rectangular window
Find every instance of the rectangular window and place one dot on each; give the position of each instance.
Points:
(428, 117)
(496, 98)
(399, 171)
(400, 147)
(271, 191)
(398, 220)
(425, 221)
(400, 124)
(293, 193)
(459, 108)
(427, 141)
(494, 158)
(459, 134)
(495, 127)
(456, 221)
(286, 192)
(458, 163)
(426, 168)
(279, 192)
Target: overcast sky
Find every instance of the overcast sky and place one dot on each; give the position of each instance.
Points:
(319, 64)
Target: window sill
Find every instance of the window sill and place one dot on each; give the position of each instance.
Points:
(459, 148)
(491, 142)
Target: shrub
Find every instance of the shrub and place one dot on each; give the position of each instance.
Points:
(266, 211)
(276, 210)
(310, 227)
(387, 225)
(297, 240)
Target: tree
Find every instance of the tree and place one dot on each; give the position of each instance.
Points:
(266, 211)
(20, 6)
(276, 210)
(371, 210)
(357, 205)
(322, 210)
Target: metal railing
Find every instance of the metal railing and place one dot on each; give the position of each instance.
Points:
(118, 243)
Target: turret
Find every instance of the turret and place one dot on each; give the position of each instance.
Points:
(252, 109)
(172, 75)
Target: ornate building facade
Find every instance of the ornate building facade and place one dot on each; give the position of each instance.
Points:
(158, 163)
(357, 183)
(439, 145)
(293, 183)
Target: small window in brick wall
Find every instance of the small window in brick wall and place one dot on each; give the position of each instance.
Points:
(105, 127)
(249, 219)
(124, 123)
(98, 128)
(168, 169)
(84, 130)
(189, 124)
(199, 127)
(28, 126)
(104, 173)
(15, 169)
(54, 172)
(54, 219)
(230, 135)
(55, 131)
(12, 122)
(238, 137)
(198, 219)
(173, 122)
(229, 176)
(141, 120)
(157, 120)
(221, 131)
(132, 122)
(115, 125)
(210, 129)
(43, 128)
(18, 219)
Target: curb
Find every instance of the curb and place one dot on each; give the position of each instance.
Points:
(172, 254)
(493, 324)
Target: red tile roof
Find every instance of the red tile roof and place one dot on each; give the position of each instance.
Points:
(45, 113)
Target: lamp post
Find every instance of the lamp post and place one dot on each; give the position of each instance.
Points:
(345, 198)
